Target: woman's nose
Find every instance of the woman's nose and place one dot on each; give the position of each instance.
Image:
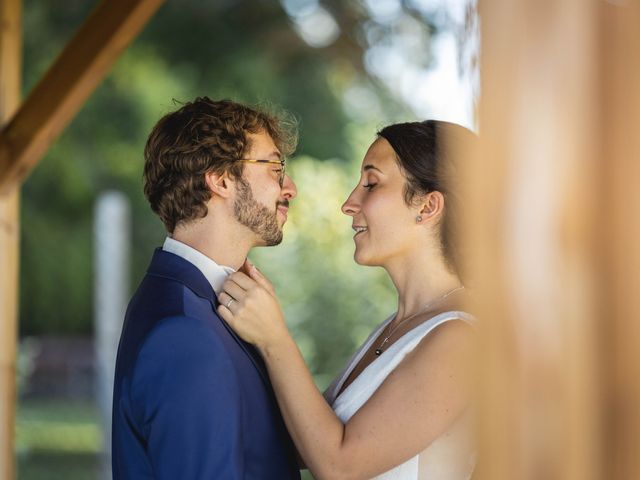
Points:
(351, 206)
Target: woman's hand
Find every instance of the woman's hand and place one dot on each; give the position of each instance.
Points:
(249, 305)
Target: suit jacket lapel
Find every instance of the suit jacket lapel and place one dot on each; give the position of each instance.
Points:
(249, 349)
(169, 265)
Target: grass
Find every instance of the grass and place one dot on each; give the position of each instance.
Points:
(58, 440)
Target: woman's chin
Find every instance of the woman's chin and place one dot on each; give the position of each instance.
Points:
(361, 259)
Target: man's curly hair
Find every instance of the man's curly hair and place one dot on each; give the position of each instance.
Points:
(203, 136)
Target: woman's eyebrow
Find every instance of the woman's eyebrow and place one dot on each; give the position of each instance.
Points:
(371, 167)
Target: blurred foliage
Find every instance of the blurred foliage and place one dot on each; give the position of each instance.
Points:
(244, 50)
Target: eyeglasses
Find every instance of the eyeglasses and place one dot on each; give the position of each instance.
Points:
(281, 162)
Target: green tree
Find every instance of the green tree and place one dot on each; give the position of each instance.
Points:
(244, 50)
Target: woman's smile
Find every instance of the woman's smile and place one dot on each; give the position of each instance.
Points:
(359, 229)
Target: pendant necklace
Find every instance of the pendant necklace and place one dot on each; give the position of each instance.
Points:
(404, 320)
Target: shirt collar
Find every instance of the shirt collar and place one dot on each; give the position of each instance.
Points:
(214, 273)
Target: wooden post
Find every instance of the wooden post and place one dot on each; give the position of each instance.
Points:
(534, 220)
(620, 160)
(10, 68)
(26, 134)
(555, 224)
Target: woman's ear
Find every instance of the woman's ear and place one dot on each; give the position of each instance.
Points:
(431, 206)
(219, 184)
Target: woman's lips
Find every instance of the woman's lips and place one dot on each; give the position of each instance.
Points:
(359, 229)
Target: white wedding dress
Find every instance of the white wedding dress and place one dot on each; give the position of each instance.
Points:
(451, 456)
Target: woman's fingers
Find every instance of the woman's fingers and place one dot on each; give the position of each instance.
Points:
(234, 290)
(248, 276)
(246, 266)
(234, 296)
(238, 283)
(225, 313)
(241, 279)
(251, 308)
(227, 300)
(261, 280)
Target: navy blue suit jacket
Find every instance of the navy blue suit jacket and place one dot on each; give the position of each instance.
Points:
(191, 400)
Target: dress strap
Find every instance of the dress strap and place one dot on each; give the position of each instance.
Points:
(410, 340)
(373, 375)
(407, 342)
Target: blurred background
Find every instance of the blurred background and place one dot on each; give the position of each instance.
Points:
(343, 68)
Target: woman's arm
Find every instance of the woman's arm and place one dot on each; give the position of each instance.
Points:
(417, 402)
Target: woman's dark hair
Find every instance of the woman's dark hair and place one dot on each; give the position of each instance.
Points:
(429, 155)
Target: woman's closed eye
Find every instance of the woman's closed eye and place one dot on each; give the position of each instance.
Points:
(370, 185)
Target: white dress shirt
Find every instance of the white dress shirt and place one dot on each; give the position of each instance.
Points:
(214, 273)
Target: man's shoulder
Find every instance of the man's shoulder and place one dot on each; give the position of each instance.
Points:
(179, 365)
(164, 296)
(166, 318)
(179, 346)
(183, 333)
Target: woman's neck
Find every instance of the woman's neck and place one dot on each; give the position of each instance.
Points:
(419, 281)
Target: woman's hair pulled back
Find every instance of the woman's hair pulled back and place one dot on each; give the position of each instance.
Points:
(430, 154)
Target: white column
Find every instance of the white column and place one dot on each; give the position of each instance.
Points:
(111, 293)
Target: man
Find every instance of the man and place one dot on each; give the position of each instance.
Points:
(192, 400)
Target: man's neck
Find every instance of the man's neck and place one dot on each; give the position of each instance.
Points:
(221, 245)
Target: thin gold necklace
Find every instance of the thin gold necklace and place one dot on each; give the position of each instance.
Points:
(422, 310)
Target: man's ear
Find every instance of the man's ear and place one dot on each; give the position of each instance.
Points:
(219, 184)
(432, 205)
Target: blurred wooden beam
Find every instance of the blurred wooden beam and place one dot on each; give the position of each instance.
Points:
(10, 68)
(61, 93)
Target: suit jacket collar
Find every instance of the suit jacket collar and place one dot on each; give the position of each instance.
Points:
(172, 266)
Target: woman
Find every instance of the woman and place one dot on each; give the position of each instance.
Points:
(400, 408)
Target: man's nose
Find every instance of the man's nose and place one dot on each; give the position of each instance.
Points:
(289, 189)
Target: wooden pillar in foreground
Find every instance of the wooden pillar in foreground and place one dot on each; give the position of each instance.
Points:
(555, 227)
(620, 158)
(10, 68)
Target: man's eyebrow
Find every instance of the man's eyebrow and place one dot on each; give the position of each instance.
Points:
(371, 167)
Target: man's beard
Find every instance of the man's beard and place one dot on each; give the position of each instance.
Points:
(258, 218)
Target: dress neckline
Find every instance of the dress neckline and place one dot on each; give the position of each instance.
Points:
(376, 335)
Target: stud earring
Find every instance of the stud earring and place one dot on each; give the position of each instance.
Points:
(418, 218)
